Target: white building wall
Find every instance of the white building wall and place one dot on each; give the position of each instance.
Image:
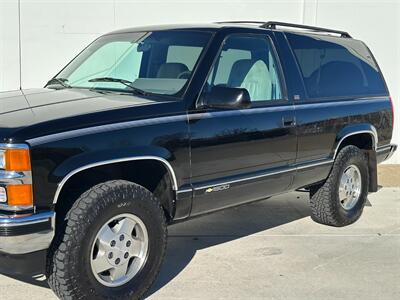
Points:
(54, 31)
(9, 53)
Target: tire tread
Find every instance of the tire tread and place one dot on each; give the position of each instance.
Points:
(60, 276)
(324, 208)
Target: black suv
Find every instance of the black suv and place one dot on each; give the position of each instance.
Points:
(154, 125)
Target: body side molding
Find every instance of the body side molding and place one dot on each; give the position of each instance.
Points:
(113, 161)
(288, 169)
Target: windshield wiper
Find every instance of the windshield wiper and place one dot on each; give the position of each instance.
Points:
(60, 81)
(123, 81)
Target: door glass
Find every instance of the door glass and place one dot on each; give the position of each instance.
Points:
(247, 62)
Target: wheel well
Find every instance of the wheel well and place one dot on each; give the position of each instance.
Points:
(151, 174)
(363, 141)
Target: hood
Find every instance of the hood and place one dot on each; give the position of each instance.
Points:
(19, 109)
(12, 101)
(39, 100)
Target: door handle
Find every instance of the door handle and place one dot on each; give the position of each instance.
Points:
(288, 121)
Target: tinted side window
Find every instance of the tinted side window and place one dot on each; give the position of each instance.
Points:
(336, 67)
(247, 62)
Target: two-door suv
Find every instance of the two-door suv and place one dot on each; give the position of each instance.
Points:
(154, 125)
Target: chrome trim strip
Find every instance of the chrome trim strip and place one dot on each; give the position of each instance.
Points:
(316, 164)
(13, 177)
(246, 178)
(373, 133)
(14, 208)
(343, 102)
(384, 148)
(184, 191)
(113, 161)
(12, 221)
(287, 170)
(235, 112)
(13, 146)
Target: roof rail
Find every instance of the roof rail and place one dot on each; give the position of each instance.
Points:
(272, 25)
(240, 22)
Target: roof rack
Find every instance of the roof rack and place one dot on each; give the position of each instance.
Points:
(272, 25)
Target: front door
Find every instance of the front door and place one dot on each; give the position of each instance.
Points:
(240, 155)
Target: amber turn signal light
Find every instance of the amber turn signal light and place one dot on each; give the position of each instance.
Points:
(20, 195)
(17, 160)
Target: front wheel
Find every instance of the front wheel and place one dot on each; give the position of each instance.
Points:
(341, 199)
(111, 246)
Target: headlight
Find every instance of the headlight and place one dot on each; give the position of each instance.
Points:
(3, 195)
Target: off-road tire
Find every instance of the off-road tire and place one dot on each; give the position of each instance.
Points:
(68, 264)
(325, 204)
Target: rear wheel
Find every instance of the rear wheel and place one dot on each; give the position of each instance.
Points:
(341, 199)
(111, 246)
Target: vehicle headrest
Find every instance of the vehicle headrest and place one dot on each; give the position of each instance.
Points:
(341, 75)
(239, 71)
(171, 70)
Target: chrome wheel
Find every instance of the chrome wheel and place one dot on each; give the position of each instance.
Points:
(350, 187)
(119, 250)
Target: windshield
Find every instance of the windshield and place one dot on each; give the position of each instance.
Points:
(159, 62)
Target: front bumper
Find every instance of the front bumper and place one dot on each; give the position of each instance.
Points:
(26, 233)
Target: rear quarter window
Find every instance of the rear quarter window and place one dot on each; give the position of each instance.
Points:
(336, 67)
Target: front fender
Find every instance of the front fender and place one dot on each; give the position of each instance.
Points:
(52, 167)
(84, 161)
(102, 157)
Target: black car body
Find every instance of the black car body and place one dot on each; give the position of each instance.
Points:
(214, 154)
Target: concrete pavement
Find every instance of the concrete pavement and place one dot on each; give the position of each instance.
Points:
(272, 250)
(389, 175)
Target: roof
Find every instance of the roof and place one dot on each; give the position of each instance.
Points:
(204, 26)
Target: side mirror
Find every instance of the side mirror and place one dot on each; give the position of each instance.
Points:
(225, 97)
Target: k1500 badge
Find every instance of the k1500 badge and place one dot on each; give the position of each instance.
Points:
(218, 188)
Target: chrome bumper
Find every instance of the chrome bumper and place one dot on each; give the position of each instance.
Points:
(393, 148)
(27, 233)
(385, 152)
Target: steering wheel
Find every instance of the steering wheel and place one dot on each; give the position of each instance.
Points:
(184, 75)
